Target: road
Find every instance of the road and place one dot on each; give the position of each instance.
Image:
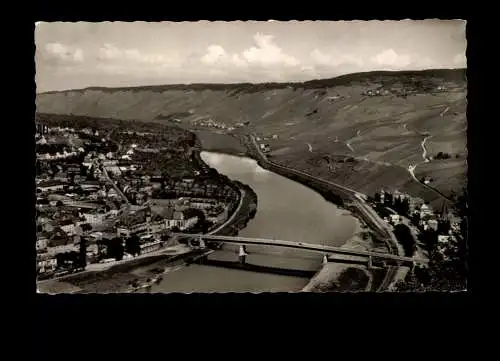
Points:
(444, 111)
(348, 142)
(424, 149)
(411, 170)
(117, 189)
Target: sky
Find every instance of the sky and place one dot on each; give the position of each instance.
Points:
(112, 54)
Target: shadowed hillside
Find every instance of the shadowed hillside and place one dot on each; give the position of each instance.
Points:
(361, 129)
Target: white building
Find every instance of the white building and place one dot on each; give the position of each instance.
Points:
(150, 247)
(50, 186)
(425, 210)
(62, 249)
(69, 228)
(94, 218)
(114, 170)
(395, 218)
(41, 244)
(46, 263)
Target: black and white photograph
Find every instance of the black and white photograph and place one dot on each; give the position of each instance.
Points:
(251, 156)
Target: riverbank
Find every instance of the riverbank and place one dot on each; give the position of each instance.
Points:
(115, 278)
(342, 277)
(331, 274)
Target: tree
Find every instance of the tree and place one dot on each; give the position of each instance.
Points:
(429, 238)
(388, 199)
(443, 226)
(397, 204)
(405, 238)
(59, 203)
(377, 197)
(83, 252)
(132, 245)
(115, 249)
(405, 206)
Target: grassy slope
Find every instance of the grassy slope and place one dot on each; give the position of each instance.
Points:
(383, 148)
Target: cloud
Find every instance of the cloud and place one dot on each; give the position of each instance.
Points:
(216, 55)
(389, 58)
(264, 53)
(63, 53)
(110, 52)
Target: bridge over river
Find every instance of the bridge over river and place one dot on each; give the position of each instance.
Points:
(330, 253)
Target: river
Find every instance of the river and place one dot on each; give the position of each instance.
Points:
(286, 210)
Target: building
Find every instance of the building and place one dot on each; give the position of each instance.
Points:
(41, 244)
(62, 177)
(94, 218)
(433, 224)
(70, 247)
(90, 185)
(150, 247)
(50, 186)
(87, 162)
(182, 220)
(112, 193)
(395, 218)
(73, 169)
(68, 226)
(46, 263)
(442, 239)
(202, 203)
(109, 163)
(114, 170)
(425, 210)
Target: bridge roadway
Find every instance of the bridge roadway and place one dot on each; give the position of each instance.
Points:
(300, 245)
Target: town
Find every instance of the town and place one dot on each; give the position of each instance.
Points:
(101, 198)
(421, 231)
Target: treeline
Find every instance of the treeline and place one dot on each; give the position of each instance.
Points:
(111, 124)
(400, 205)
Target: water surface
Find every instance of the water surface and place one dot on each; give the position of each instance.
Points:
(286, 210)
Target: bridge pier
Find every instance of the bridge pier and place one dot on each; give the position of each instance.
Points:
(325, 259)
(370, 262)
(202, 243)
(242, 256)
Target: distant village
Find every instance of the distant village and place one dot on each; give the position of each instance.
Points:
(99, 201)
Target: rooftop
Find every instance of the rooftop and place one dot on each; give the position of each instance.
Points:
(50, 183)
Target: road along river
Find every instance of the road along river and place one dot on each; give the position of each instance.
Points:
(286, 210)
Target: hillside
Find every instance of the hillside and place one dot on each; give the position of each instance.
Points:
(378, 118)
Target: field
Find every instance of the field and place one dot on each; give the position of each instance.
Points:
(316, 125)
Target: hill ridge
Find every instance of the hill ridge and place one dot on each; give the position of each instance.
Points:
(447, 74)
